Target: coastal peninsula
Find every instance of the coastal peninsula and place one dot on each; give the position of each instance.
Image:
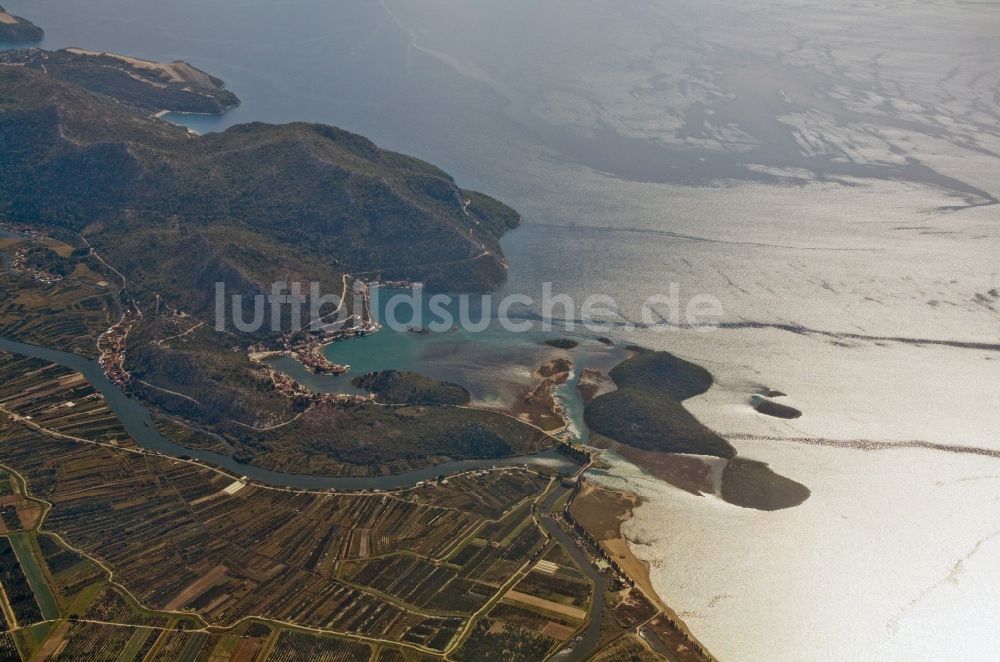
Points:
(17, 30)
(147, 86)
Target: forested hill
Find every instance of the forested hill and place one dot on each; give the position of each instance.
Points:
(152, 194)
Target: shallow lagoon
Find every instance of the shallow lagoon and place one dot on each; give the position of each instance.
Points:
(496, 365)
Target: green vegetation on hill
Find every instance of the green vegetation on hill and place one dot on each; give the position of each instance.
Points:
(646, 411)
(221, 391)
(393, 387)
(367, 438)
(220, 385)
(17, 30)
(42, 258)
(150, 86)
(171, 214)
(77, 160)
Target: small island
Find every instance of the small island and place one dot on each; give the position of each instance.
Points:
(768, 407)
(646, 418)
(562, 343)
(17, 30)
(646, 410)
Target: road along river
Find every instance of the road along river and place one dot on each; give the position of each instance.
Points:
(137, 422)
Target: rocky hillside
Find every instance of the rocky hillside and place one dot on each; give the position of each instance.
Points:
(251, 203)
(149, 86)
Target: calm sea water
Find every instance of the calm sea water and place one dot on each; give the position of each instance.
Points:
(827, 171)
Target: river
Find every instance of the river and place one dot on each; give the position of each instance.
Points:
(137, 422)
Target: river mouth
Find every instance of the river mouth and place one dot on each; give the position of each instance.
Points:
(497, 366)
(501, 369)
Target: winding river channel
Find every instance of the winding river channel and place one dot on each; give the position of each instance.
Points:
(138, 423)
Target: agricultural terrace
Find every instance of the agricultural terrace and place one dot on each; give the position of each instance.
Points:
(159, 558)
(52, 294)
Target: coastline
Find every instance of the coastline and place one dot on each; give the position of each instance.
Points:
(601, 512)
(848, 393)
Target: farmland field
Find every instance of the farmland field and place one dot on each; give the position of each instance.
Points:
(16, 587)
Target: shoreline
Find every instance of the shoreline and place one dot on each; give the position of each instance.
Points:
(602, 513)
